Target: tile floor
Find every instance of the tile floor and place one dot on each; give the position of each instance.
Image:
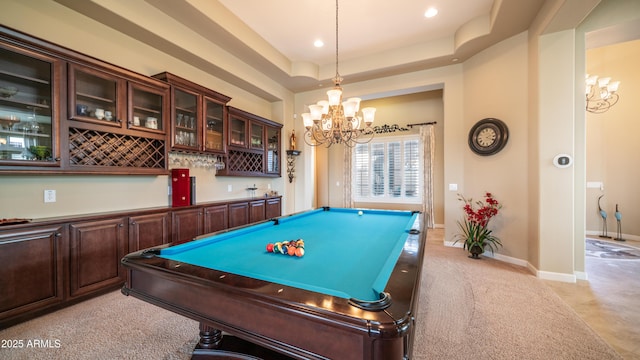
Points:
(609, 301)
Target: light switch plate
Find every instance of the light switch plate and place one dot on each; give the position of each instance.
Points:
(49, 196)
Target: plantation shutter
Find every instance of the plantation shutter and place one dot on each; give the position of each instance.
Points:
(412, 168)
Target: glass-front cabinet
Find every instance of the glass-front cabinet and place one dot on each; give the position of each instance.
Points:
(257, 136)
(245, 130)
(109, 100)
(198, 120)
(214, 125)
(273, 150)
(237, 131)
(95, 96)
(29, 123)
(253, 145)
(147, 108)
(185, 107)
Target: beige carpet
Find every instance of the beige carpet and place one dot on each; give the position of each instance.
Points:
(112, 326)
(469, 309)
(487, 309)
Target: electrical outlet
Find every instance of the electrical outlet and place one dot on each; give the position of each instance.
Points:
(49, 196)
(229, 188)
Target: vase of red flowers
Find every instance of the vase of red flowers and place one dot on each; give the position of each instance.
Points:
(474, 232)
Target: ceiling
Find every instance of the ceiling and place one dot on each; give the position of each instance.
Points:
(274, 38)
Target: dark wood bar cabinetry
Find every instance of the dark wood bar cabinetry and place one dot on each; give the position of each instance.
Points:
(186, 224)
(47, 264)
(33, 267)
(149, 230)
(65, 112)
(216, 218)
(257, 210)
(95, 248)
(253, 145)
(238, 214)
(198, 116)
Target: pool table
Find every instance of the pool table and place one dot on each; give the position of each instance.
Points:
(352, 295)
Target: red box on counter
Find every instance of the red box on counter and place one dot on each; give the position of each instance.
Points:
(180, 187)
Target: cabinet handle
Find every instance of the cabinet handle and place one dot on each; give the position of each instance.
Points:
(58, 235)
(133, 223)
(121, 225)
(57, 159)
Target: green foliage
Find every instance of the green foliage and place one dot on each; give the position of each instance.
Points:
(474, 229)
(473, 234)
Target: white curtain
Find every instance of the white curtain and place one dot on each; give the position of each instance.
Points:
(346, 183)
(428, 138)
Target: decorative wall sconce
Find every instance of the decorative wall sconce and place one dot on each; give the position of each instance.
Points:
(291, 162)
(601, 93)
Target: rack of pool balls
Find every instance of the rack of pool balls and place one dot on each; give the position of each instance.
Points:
(291, 248)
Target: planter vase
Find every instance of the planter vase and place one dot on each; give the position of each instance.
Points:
(475, 251)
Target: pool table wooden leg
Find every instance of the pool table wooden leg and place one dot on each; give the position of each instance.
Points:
(210, 337)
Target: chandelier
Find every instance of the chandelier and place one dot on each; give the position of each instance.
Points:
(336, 122)
(602, 96)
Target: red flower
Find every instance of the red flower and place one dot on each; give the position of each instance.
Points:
(473, 230)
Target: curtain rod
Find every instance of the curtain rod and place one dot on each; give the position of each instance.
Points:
(424, 123)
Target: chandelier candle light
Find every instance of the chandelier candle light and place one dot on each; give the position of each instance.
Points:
(337, 122)
(602, 96)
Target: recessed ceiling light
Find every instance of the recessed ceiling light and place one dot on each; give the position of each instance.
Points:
(318, 43)
(431, 12)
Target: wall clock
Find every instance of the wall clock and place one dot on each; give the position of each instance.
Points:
(488, 136)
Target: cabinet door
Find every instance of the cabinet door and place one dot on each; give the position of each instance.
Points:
(32, 270)
(186, 123)
(238, 214)
(29, 119)
(237, 132)
(273, 150)
(96, 97)
(216, 218)
(147, 231)
(274, 209)
(149, 106)
(186, 225)
(257, 136)
(96, 248)
(214, 112)
(257, 211)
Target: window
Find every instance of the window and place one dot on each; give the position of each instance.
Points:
(388, 170)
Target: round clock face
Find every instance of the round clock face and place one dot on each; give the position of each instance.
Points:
(488, 136)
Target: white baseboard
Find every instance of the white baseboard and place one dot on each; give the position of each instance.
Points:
(581, 275)
(507, 259)
(545, 275)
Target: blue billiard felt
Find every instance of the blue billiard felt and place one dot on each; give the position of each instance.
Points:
(346, 255)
